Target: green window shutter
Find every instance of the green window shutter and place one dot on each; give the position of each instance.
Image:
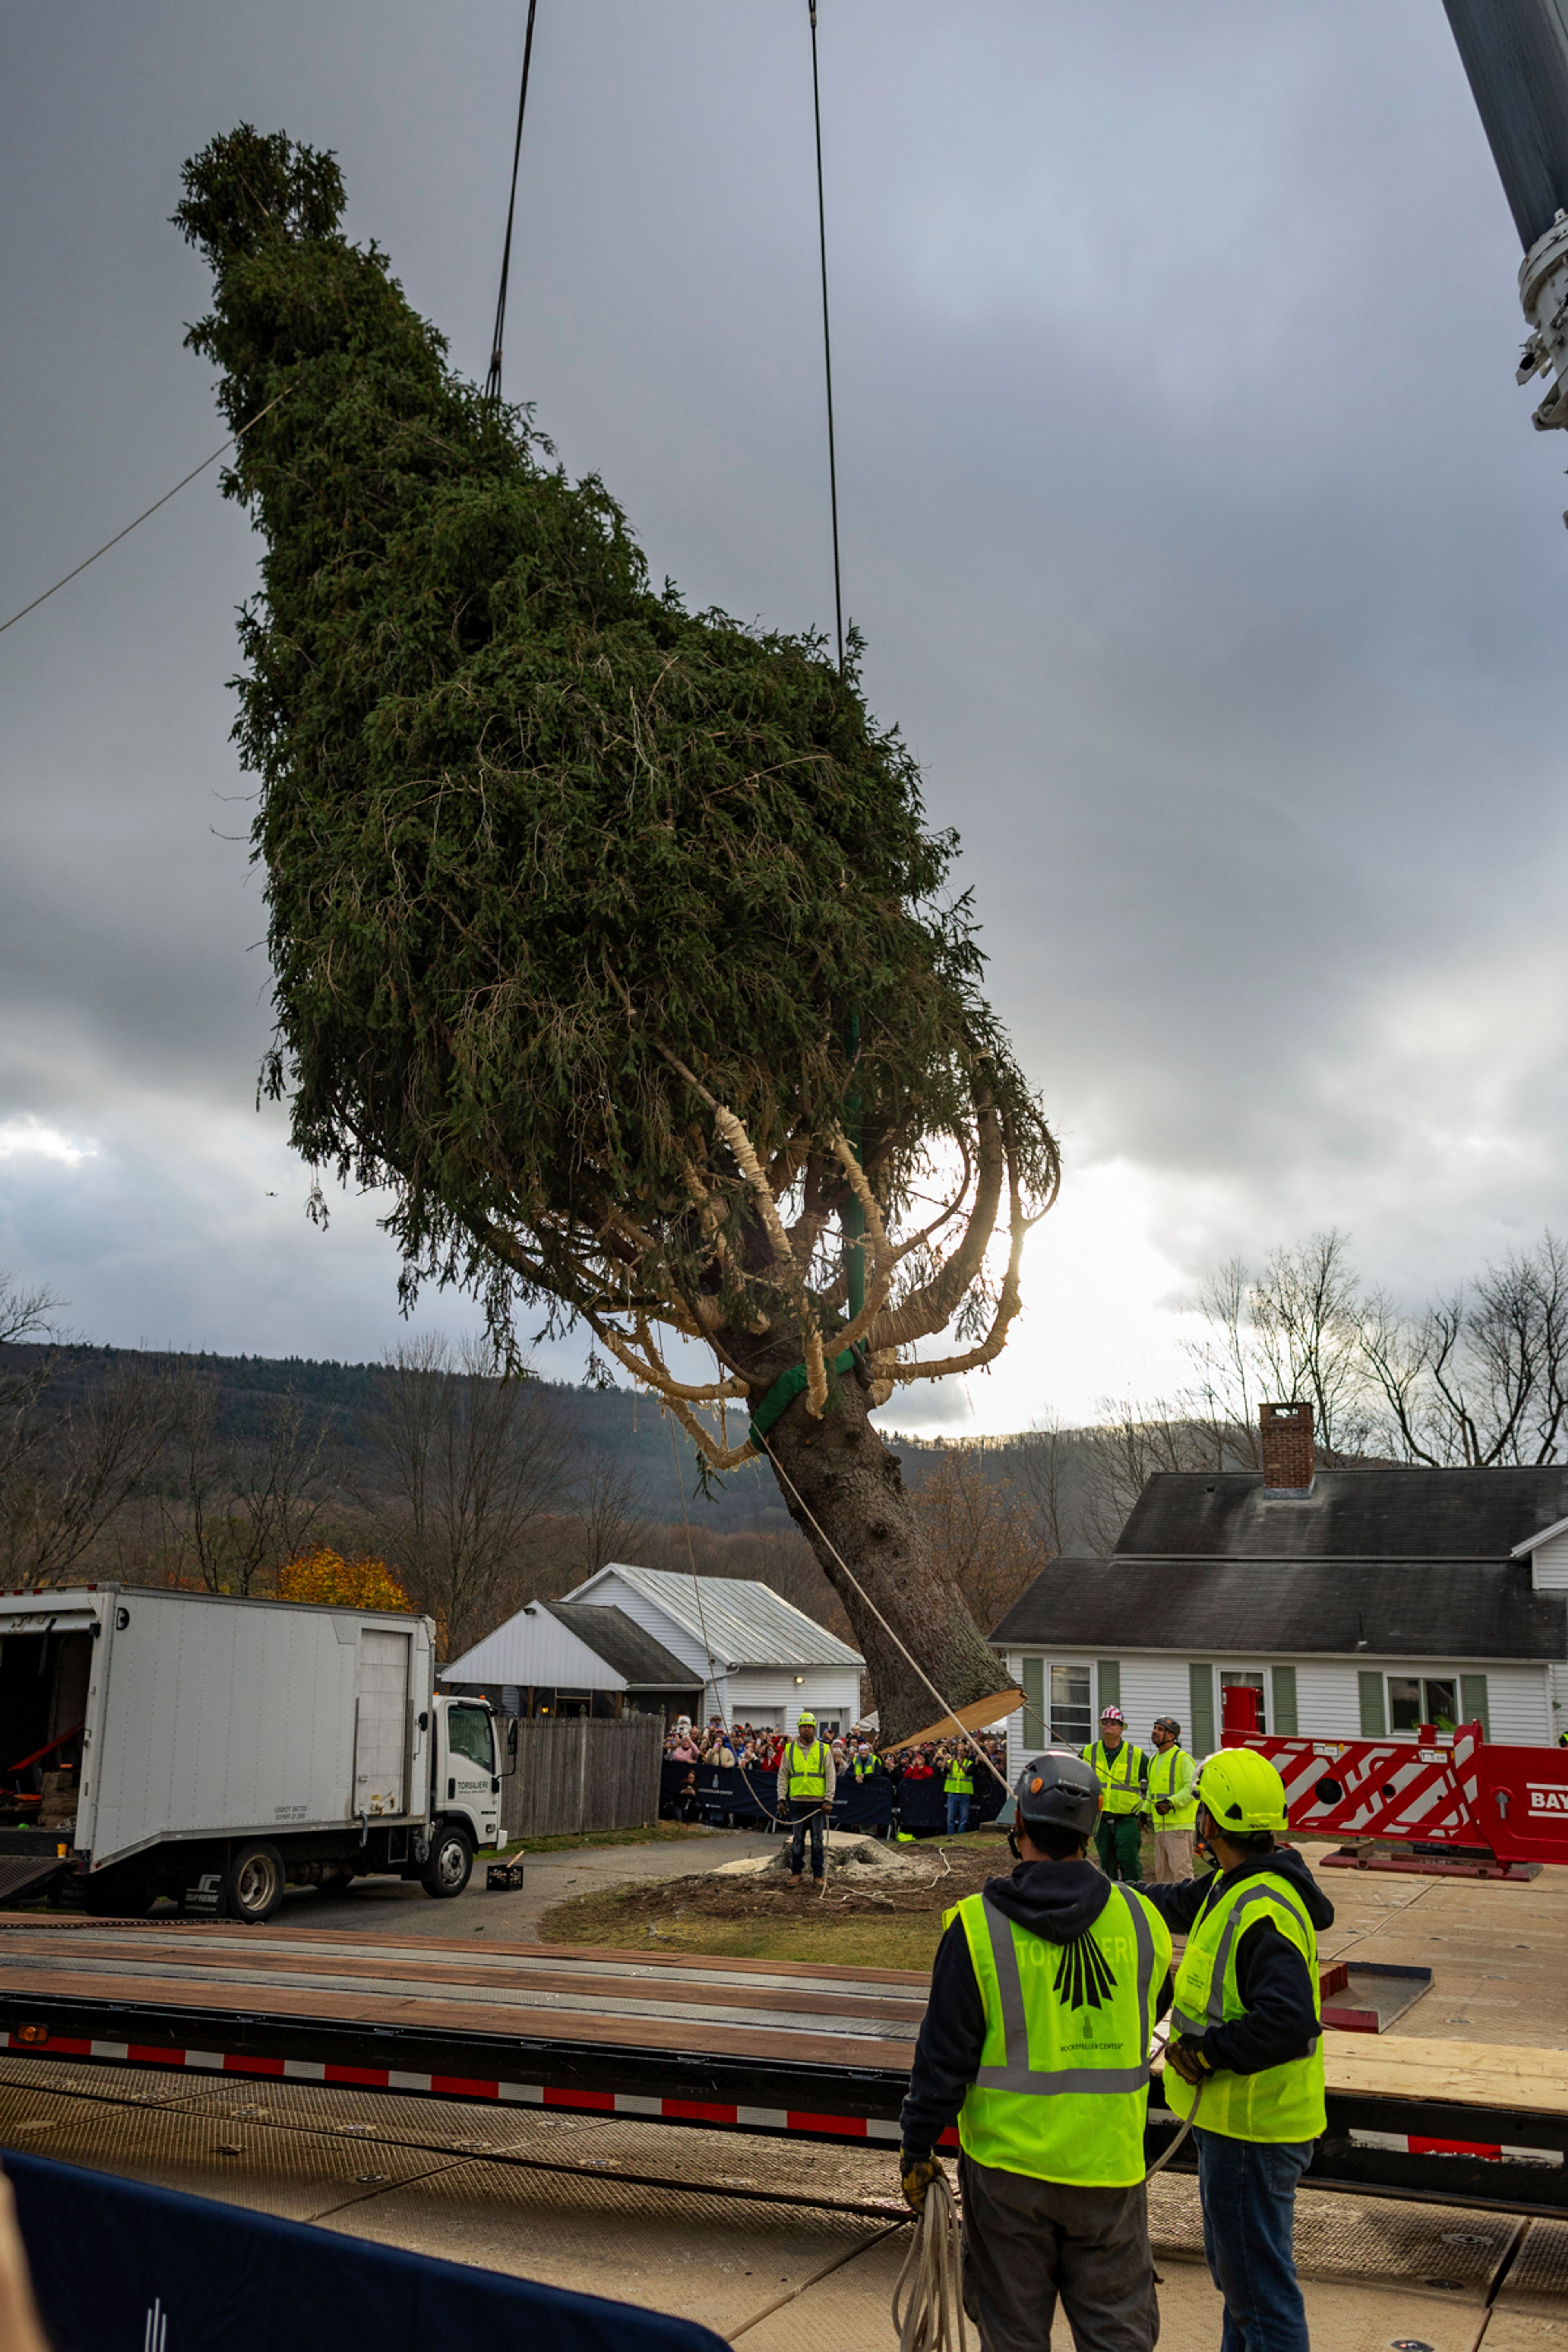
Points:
(1373, 1719)
(1109, 1672)
(1200, 1686)
(1473, 1701)
(1282, 1717)
(1033, 1705)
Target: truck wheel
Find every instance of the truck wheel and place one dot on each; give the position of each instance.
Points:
(452, 1861)
(253, 1887)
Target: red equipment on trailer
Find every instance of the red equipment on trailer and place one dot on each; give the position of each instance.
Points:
(1461, 1807)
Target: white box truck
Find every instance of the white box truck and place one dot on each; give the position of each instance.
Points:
(216, 1750)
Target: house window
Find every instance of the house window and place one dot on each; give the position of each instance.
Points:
(1413, 1700)
(1240, 1679)
(1071, 1708)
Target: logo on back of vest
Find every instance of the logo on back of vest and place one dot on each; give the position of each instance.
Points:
(1083, 1979)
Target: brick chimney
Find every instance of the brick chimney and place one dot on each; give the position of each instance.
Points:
(1285, 1446)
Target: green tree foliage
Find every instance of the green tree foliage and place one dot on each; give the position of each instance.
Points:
(551, 860)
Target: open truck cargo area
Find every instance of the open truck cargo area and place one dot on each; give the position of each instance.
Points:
(213, 1750)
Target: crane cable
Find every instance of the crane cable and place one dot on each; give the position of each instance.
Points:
(493, 381)
(827, 339)
(153, 509)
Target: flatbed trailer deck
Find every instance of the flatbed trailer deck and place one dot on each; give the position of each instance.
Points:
(745, 2045)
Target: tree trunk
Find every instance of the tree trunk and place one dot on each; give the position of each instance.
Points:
(851, 1484)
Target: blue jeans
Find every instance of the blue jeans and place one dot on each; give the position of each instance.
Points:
(808, 1815)
(957, 1815)
(1248, 2188)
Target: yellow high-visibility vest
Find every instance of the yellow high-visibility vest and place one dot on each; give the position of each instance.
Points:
(1283, 2102)
(1063, 2084)
(1119, 1774)
(1166, 1780)
(807, 1769)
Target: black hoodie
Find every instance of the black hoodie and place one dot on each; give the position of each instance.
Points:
(1059, 1900)
(1271, 1976)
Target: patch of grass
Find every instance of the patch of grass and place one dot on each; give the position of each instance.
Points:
(802, 1930)
(650, 1833)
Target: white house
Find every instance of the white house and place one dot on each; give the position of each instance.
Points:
(1358, 1602)
(739, 1652)
(556, 1657)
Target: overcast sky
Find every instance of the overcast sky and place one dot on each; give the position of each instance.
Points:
(1202, 541)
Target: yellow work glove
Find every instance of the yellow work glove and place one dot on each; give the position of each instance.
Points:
(1186, 2056)
(917, 2173)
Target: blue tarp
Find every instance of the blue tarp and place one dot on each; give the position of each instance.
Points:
(120, 2267)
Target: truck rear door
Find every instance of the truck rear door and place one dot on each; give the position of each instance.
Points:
(380, 1723)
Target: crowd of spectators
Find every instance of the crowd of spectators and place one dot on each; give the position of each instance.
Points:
(756, 1750)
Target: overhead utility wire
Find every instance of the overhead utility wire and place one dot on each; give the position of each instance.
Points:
(493, 381)
(153, 509)
(826, 341)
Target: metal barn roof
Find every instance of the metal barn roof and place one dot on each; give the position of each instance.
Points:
(747, 1623)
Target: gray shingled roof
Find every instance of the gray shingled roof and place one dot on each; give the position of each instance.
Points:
(1351, 1514)
(642, 1663)
(1399, 1609)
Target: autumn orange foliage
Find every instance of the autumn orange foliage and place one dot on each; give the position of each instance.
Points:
(324, 1575)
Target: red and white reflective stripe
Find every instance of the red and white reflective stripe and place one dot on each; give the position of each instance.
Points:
(1389, 1789)
(1493, 2151)
(466, 2086)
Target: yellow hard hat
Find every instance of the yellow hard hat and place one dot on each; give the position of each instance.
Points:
(805, 1716)
(1241, 1791)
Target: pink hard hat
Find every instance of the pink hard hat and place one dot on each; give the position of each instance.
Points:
(1111, 1715)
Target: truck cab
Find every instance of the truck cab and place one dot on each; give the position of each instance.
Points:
(466, 1766)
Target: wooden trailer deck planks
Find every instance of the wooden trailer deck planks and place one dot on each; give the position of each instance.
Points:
(662, 2003)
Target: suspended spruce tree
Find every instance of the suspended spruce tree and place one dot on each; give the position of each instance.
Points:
(608, 937)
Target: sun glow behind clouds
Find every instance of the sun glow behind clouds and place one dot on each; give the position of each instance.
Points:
(29, 1138)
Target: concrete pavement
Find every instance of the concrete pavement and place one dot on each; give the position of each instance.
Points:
(385, 1907)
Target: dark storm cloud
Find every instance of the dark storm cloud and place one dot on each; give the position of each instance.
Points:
(1196, 525)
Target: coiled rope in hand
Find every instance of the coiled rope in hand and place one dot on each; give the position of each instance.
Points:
(932, 2318)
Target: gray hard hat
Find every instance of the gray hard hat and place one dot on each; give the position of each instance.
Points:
(1059, 1790)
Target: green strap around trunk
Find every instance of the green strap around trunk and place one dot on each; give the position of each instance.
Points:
(783, 1392)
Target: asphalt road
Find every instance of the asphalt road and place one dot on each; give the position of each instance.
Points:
(385, 1907)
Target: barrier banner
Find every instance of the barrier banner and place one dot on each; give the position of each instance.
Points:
(863, 1804)
(120, 2267)
(702, 1793)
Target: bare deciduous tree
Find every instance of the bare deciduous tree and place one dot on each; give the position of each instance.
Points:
(67, 1479)
(609, 1512)
(477, 1453)
(235, 1511)
(983, 1529)
(1482, 1377)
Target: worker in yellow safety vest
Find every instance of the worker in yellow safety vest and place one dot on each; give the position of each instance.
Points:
(808, 1778)
(1172, 1808)
(1035, 2040)
(1245, 2057)
(959, 1789)
(1122, 1770)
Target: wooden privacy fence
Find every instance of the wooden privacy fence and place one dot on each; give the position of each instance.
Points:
(574, 1773)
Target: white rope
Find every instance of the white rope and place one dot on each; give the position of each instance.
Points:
(932, 2320)
(945, 1704)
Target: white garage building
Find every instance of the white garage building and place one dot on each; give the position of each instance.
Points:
(731, 1644)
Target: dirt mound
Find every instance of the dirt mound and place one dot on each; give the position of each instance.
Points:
(918, 1884)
